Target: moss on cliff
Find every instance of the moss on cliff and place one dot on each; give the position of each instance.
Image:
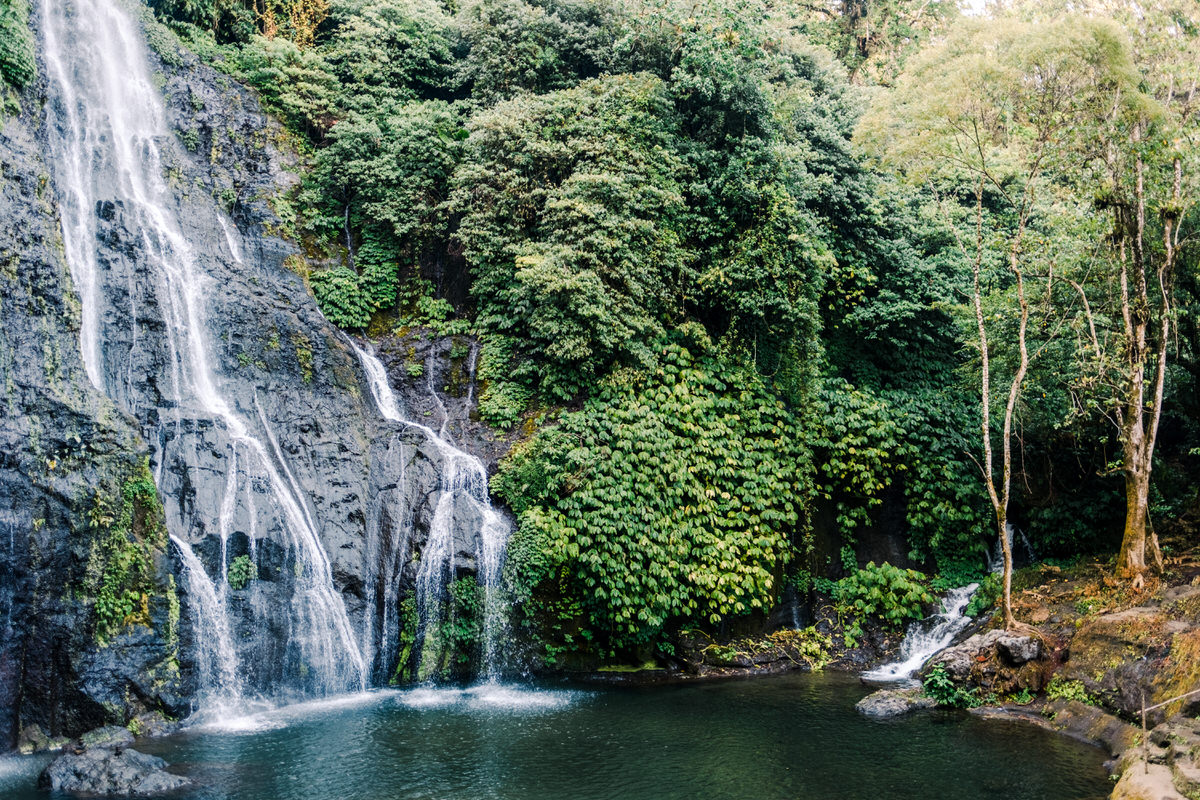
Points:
(119, 579)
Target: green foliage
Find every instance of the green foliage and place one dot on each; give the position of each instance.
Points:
(422, 309)
(670, 497)
(292, 82)
(985, 596)
(120, 569)
(578, 182)
(340, 294)
(938, 684)
(408, 628)
(18, 66)
(1023, 697)
(885, 592)
(572, 210)
(241, 572)
(1061, 689)
(514, 46)
(464, 628)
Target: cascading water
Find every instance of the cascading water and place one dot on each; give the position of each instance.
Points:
(928, 636)
(1011, 532)
(463, 480)
(110, 144)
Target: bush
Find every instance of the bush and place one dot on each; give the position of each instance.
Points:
(938, 684)
(340, 295)
(1062, 689)
(985, 596)
(241, 571)
(670, 497)
(886, 592)
(17, 64)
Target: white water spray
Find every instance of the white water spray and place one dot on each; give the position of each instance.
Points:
(463, 480)
(928, 636)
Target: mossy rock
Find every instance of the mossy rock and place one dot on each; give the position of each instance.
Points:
(1133, 655)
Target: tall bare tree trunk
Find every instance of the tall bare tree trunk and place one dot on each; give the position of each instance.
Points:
(1139, 428)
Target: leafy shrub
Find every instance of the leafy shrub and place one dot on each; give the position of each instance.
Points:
(1023, 697)
(670, 496)
(241, 571)
(340, 295)
(886, 592)
(120, 568)
(17, 64)
(985, 597)
(464, 627)
(938, 684)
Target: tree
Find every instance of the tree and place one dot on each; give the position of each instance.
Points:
(1142, 161)
(993, 107)
(875, 37)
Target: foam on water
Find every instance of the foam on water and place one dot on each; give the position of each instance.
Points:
(265, 717)
(490, 698)
(18, 772)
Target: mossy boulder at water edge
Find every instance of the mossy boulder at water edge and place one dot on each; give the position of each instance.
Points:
(997, 661)
(1142, 654)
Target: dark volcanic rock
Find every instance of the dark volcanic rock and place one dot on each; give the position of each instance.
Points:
(367, 486)
(64, 449)
(110, 771)
(436, 383)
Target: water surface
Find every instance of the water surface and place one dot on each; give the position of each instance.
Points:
(792, 737)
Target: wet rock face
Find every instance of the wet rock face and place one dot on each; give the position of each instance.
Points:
(62, 445)
(435, 379)
(1135, 655)
(110, 772)
(291, 377)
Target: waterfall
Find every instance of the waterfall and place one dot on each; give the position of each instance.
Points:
(220, 685)
(928, 636)
(1011, 532)
(463, 481)
(110, 146)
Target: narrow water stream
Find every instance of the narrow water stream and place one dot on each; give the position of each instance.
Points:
(792, 737)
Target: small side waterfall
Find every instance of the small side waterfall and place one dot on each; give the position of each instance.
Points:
(110, 149)
(926, 637)
(462, 492)
(1012, 533)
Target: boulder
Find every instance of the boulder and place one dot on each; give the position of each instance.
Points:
(1017, 649)
(110, 771)
(996, 661)
(893, 702)
(1134, 655)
